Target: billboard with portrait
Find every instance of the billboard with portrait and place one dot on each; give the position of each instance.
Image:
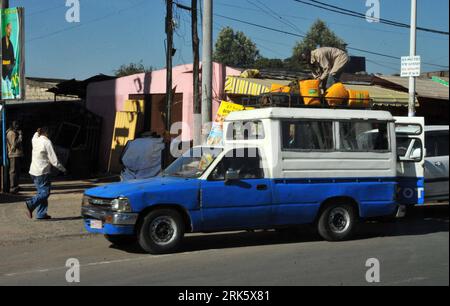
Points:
(13, 61)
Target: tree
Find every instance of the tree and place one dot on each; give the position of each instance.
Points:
(132, 68)
(269, 63)
(319, 35)
(235, 49)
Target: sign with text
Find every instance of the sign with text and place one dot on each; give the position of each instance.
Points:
(411, 66)
(216, 135)
(12, 55)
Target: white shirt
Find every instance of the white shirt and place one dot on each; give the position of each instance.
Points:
(43, 157)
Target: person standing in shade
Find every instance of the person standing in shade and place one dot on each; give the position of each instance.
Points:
(43, 158)
(327, 64)
(15, 154)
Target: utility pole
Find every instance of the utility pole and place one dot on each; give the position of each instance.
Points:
(5, 173)
(169, 55)
(196, 75)
(412, 80)
(207, 67)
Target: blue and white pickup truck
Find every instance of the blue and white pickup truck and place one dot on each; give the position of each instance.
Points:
(278, 168)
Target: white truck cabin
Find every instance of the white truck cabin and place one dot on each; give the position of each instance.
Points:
(301, 143)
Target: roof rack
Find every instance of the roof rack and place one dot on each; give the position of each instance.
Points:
(296, 101)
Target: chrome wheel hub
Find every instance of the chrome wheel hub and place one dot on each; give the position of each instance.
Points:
(339, 220)
(163, 230)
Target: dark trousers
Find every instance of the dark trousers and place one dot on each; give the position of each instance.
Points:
(14, 173)
(333, 79)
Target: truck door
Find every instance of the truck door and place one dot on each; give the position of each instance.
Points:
(410, 136)
(436, 165)
(237, 194)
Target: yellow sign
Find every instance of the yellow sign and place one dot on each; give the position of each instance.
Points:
(226, 108)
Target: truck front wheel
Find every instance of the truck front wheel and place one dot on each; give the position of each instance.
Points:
(337, 222)
(161, 231)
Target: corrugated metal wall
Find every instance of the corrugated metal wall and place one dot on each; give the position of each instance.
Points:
(128, 125)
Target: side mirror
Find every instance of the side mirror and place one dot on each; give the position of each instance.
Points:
(415, 150)
(416, 155)
(231, 175)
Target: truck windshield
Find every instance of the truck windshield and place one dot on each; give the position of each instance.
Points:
(193, 163)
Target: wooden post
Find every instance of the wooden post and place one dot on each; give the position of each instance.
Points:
(169, 55)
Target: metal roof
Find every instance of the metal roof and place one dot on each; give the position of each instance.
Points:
(78, 88)
(382, 96)
(425, 88)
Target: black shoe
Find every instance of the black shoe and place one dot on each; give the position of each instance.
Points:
(29, 212)
(45, 218)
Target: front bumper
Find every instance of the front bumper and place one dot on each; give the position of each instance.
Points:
(113, 223)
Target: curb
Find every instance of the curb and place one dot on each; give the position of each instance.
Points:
(56, 197)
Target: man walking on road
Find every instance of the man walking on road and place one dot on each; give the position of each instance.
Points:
(327, 64)
(43, 158)
(15, 154)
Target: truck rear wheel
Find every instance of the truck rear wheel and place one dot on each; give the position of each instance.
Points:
(161, 231)
(337, 222)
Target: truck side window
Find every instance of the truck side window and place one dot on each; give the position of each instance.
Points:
(249, 130)
(437, 144)
(308, 136)
(246, 162)
(361, 136)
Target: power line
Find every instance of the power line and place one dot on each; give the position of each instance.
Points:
(260, 26)
(303, 36)
(343, 11)
(352, 26)
(219, 26)
(267, 10)
(382, 65)
(84, 23)
(359, 14)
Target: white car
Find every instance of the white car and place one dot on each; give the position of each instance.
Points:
(436, 163)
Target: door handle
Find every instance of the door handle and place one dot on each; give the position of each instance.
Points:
(261, 187)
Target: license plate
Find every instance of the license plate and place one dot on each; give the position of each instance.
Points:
(96, 224)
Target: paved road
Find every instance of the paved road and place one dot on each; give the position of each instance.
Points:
(414, 251)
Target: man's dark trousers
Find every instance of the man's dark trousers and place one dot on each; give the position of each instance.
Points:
(14, 173)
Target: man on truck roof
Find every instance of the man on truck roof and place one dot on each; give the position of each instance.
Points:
(327, 64)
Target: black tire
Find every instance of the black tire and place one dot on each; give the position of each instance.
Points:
(161, 231)
(337, 222)
(121, 240)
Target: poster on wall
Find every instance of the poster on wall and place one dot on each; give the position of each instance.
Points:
(13, 61)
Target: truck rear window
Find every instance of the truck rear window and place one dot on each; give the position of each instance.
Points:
(362, 136)
(308, 136)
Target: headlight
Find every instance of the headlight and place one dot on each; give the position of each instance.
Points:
(121, 205)
(85, 201)
(90, 201)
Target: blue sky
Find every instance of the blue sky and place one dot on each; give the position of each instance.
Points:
(115, 32)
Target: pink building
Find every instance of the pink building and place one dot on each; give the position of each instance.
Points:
(108, 97)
